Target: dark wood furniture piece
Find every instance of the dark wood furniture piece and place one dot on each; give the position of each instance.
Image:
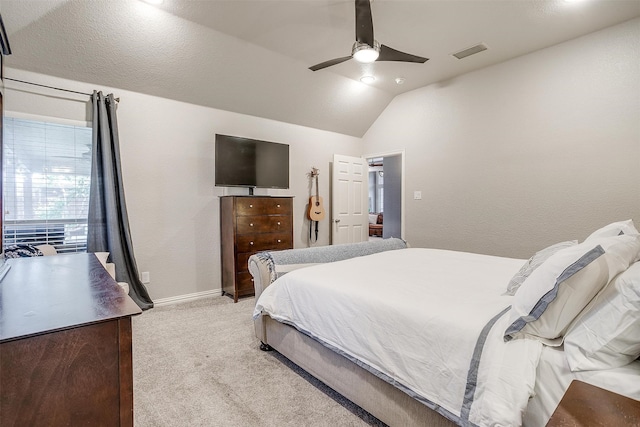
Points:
(250, 224)
(585, 405)
(65, 344)
(376, 229)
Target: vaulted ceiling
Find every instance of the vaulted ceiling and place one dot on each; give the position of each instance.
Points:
(252, 56)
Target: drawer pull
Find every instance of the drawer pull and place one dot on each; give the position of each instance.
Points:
(250, 206)
(278, 222)
(250, 224)
(251, 243)
(279, 241)
(278, 206)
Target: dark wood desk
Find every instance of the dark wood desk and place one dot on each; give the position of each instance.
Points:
(65, 344)
(587, 405)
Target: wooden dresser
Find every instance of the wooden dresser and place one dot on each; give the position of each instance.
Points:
(65, 344)
(250, 224)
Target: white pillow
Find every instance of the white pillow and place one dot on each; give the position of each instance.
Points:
(614, 229)
(534, 262)
(555, 293)
(608, 336)
(373, 218)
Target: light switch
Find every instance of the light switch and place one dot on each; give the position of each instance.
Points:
(145, 277)
(417, 195)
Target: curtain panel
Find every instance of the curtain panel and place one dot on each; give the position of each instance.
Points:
(108, 223)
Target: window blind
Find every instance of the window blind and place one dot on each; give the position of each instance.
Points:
(47, 175)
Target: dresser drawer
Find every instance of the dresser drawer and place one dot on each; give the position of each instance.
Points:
(263, 242)
(244, 284)
(242, 259)
(263, 206)
(264, 224)
(242, 262)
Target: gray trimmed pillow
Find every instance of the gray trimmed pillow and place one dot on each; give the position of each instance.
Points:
(608, 336)
(556, 292)
(534, 262)
(614, 229)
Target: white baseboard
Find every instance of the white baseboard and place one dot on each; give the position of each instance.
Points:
(187, 297)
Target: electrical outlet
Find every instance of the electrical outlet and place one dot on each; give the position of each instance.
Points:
(417, 195)
(145, 277)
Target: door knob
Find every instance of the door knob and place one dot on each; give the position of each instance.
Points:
(336, 220)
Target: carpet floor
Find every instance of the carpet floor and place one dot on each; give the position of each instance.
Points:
(199, 364)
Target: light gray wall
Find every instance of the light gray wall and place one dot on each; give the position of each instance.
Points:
(523, 154)
(509, 159)
(392, 197)
(167, 150)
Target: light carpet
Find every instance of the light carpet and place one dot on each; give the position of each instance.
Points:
(199, 364)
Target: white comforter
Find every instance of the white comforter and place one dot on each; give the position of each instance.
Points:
(415, 317)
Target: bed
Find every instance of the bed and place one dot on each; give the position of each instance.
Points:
(438, 338)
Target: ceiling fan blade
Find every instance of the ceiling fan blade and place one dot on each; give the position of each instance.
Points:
(364, 22)
(389, 54)
(329, 63)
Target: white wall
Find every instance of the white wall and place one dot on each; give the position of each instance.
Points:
(167, 150)
(526, 153)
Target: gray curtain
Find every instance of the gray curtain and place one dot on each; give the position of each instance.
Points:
(108, 221)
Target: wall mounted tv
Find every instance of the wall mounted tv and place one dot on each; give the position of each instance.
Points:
(245, 162)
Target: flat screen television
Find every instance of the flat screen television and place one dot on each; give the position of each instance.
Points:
(245, 162)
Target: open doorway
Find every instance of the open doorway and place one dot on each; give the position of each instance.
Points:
(386, 195)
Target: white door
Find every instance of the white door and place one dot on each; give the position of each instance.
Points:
(349, 200)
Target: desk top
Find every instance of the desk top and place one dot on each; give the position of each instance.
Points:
(45, 294)
(585, 405)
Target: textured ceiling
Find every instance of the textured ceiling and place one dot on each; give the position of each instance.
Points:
(252, 56)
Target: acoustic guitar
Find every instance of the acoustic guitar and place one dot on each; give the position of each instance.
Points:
(316, 210)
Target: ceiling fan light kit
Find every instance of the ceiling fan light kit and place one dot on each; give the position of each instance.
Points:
(366, 49)
(364, 53)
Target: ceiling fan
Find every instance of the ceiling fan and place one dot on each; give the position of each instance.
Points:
(366, 49)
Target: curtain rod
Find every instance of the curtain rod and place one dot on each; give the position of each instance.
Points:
(52, 87)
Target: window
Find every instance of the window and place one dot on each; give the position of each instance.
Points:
(47, 175)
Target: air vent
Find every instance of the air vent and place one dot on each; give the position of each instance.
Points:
(471, 51)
